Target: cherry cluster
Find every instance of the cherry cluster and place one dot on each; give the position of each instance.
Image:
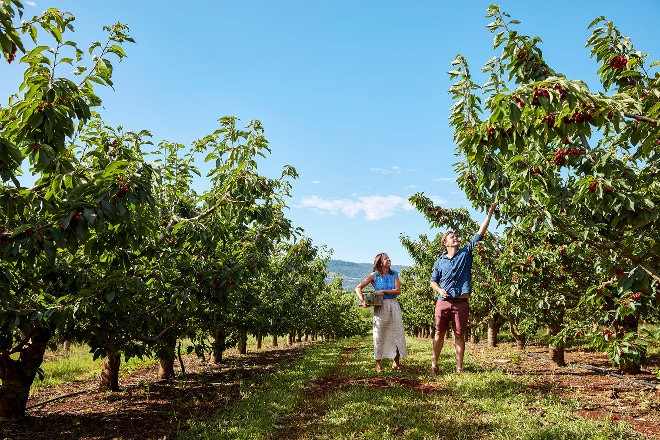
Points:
(41, 105)
(560, 155)
(540, 92)
(583, 114)
(606, 189)
(619, 62)
(122, 189)
(549, 120)
(561, 90)
(11, 56)
(544, 91)
(519, 101)
(438, 214)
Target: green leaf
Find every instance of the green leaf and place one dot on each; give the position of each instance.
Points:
(525, 196)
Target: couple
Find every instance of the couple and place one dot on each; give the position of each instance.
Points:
(450, 280)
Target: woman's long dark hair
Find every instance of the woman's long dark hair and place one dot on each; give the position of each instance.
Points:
(378, 264)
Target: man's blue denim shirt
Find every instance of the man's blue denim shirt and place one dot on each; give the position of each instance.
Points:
(455, 274)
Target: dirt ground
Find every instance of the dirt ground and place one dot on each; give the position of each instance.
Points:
(148, 409)
(589, 379)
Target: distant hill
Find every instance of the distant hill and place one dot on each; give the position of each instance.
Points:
(352, 273)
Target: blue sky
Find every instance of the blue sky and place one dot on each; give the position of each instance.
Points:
(352, 93)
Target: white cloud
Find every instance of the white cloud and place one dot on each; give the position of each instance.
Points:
(373, 207)
(445, 179)
(31, 4)
(392, 170)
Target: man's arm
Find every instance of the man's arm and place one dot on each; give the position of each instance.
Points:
(439, 290)
(484, 225)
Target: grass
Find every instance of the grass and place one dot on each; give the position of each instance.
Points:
(484, 404)
(78, 364)
(259, 411)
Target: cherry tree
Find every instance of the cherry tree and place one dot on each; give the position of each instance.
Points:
(581, 163)
(76, 201)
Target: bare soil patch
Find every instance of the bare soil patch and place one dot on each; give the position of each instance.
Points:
(148, 409)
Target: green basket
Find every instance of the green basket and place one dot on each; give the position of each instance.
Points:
(373, 298)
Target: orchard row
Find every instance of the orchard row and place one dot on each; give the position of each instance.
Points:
(113, 246)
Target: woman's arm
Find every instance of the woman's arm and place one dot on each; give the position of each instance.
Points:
(358, 289)
(397, 287)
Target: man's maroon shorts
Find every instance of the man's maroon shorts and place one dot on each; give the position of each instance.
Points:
(455, 312)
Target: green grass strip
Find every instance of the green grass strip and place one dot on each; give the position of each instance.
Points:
(257, 415)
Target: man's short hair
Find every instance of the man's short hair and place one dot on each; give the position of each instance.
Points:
(445, 236)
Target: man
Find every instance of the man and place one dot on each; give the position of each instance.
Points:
(451, 278)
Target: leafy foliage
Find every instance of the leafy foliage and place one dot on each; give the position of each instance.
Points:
(567, 164)
(114, 247)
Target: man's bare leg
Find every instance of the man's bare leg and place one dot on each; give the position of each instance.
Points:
(438, 342)
(459, 348)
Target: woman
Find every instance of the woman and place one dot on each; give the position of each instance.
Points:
(389, 337)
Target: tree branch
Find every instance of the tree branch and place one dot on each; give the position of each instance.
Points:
(176, 219)
(640, 118)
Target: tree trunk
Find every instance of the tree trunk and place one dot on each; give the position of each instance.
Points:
(110, 373)
(494, 324)
(274, 340)
(291, 338)
(521, 338)
(259, 341)
(628, 324)
(556, 352)
(218, 346)
(166, 361)
(242, 343)
(492, 335)
(474, 335)
(17, 375)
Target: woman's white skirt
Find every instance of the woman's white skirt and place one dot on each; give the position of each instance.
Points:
(388, 331)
